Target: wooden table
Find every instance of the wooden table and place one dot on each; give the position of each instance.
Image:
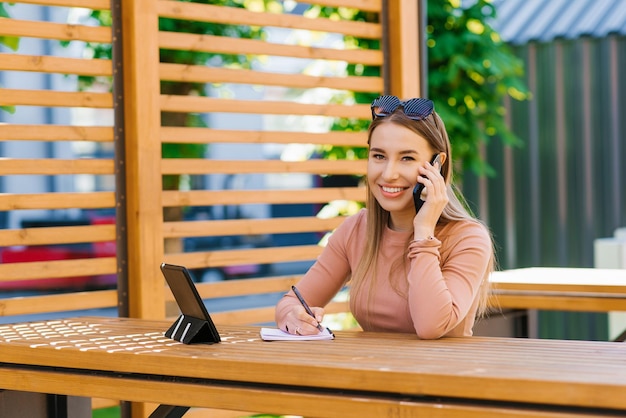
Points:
(356, 375)
(566, 289)
(562, 289)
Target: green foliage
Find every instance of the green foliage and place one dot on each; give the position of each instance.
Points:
(10, 42)
(112, 412)
(9, 109)
(470, 72)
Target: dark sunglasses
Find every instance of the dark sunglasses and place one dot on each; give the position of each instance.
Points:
(416, 109)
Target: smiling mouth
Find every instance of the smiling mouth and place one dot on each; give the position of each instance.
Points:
(392, 189)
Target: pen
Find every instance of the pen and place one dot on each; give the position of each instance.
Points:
(306, 306)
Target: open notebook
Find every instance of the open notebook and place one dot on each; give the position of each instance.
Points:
(275, 334)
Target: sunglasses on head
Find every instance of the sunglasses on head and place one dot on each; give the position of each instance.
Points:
(416, 109)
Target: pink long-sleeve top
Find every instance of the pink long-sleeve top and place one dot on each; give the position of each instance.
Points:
(436, 294)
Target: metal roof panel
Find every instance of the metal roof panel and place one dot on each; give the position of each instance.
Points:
(521, 21)
(593, 19)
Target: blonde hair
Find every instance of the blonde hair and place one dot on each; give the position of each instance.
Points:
(433, 130)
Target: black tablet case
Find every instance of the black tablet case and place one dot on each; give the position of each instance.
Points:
(194, 325)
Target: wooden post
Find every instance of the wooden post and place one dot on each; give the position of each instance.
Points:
(405, 46)
(142, 199)
(146, 286)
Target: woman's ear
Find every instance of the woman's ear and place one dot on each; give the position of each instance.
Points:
(443, 157)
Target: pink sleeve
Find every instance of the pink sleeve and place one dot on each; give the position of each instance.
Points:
(325, 278)
(441, 296)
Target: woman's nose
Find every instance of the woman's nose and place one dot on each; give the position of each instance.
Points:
(391, 172)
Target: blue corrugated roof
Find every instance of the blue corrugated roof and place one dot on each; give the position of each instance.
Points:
(522, 21)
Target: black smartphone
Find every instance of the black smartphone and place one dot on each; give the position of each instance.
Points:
(419, 187)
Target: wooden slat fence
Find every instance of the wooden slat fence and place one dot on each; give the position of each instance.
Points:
(29, 136)
(137, 136)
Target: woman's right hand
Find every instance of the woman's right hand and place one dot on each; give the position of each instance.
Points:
(299, 322)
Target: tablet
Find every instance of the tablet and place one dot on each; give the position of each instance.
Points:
(195, 317)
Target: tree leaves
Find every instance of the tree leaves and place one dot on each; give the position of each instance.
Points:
(470, 73)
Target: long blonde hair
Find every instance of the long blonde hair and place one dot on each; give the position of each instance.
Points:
(433, 130)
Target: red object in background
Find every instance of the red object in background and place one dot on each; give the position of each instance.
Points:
(42, 253)
(61, 252)
(103, 249)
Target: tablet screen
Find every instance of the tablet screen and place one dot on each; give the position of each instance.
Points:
(184, 291)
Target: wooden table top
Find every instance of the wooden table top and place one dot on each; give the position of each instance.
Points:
(579, 373)
(552, 288)
(561, 279)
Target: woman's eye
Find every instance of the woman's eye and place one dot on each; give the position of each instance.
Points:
(378, 156)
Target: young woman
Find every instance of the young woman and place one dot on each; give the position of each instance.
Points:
(423, 272)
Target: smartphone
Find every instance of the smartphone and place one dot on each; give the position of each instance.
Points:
(419, 187)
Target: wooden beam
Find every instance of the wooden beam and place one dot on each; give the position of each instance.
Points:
(240, 197)
(143, 158)
(227, 45)
(239, 16)
(404, 65)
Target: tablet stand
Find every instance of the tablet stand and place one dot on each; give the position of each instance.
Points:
(189, 330)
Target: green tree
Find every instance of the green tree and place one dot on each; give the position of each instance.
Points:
(470, 72)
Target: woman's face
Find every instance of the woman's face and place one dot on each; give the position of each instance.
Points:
(395, 154)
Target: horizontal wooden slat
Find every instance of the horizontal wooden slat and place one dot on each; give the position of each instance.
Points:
(244, 287)
(58, 31)
(264, 314)
(217, 413)
(57, 269)
(235, 257)
(87, 4)
(244, 316)
(560, 280)
(10, 132)
(562, 302)
(43, 166)
(248, 226)
(238, 197)
(266, 107)
(12, 201)
(206, 136)
(202, 166)
(14, 97)
(96, 299)
(225, 45)
(99, 403)
(44, 64)
(57, 235)
(365, 5)
(278, 401)
(237, 16)
(203, 74)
